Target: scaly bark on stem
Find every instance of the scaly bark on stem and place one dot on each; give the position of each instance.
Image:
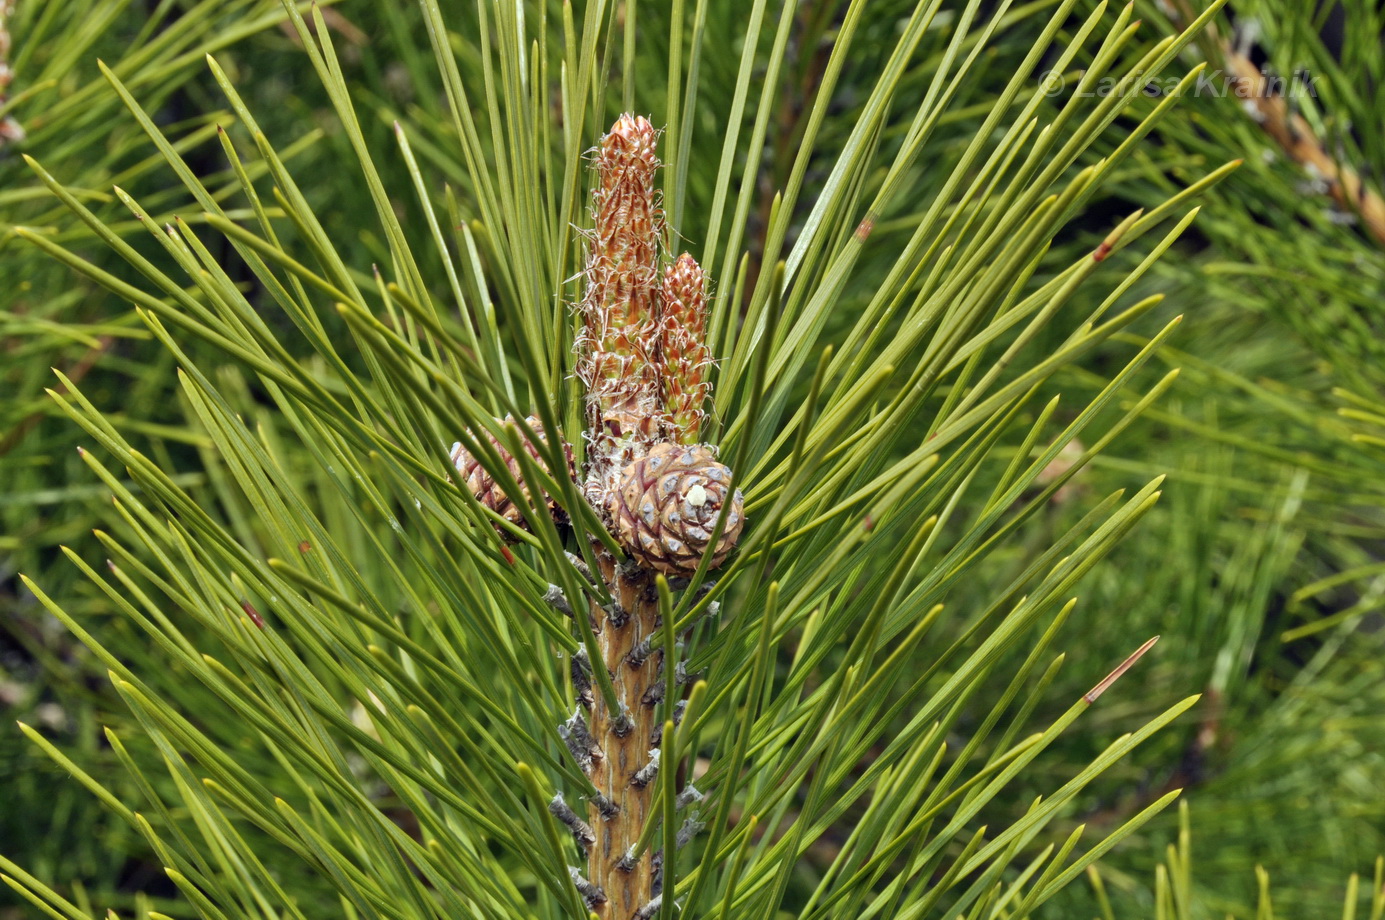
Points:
(625, 742)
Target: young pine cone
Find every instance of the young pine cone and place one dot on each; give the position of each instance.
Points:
(489, 493)
(683, 353)
(667, 507)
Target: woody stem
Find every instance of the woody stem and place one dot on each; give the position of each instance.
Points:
(621, 772)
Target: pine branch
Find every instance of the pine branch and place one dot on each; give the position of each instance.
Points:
(1271, 111)
(624, 770)
(643, 359)
(384, 616)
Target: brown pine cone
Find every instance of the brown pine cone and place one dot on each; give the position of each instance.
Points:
(667, 507)
(488, 491)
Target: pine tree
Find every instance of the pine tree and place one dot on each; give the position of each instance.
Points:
(638, 535)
